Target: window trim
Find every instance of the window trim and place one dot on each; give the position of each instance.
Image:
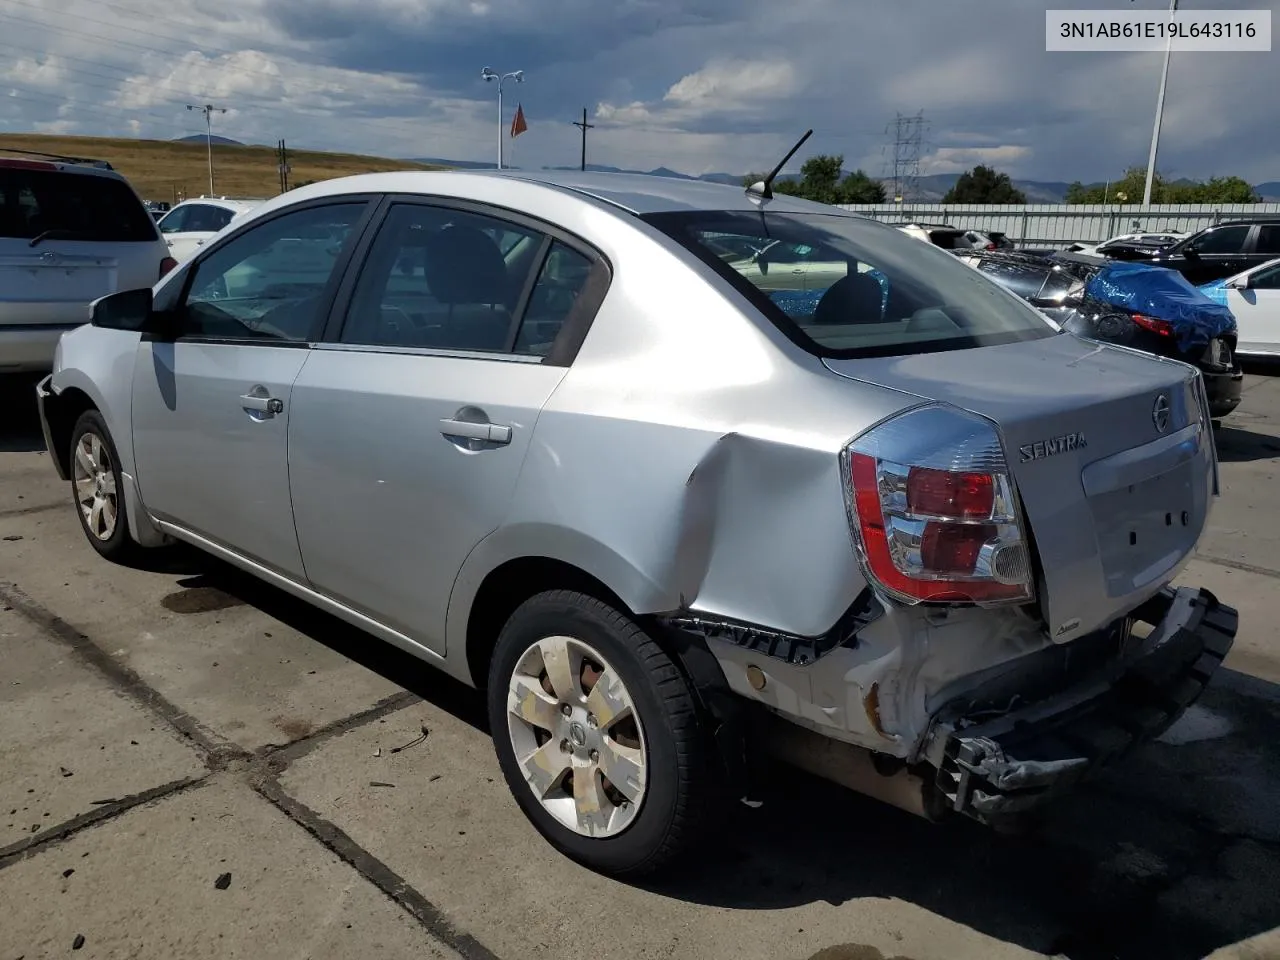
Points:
(358, 232)
(564, 349)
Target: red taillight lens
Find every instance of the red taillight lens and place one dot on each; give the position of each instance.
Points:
(944, 493)
(1162, 327)
(167, 264)
(928, 534)
(954, 548)
(991, 246)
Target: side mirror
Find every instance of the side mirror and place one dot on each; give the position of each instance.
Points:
(762, 261)
(1239, 283)
(126, 310)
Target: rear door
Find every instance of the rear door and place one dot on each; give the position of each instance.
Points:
(408, 427)
(211, 407)
(66, 238)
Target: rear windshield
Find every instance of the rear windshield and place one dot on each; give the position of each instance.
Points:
(78, 206)
(843, 286)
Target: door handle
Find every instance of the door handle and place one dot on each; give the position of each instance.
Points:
(268, 405)
(490, 432)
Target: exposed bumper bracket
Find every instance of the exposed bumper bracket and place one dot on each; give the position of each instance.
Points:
(787, 647)
(1003, 766)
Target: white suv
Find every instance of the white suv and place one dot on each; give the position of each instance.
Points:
(70, 231)
(189, 224)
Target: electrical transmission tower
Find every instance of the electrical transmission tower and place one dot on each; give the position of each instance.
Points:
(908, 135)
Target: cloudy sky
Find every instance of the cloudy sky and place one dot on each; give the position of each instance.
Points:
(695, 85)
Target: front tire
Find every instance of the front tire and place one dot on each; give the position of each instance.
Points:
(97, 489)
(598, 735)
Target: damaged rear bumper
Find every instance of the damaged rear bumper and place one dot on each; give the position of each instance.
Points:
(993, 769)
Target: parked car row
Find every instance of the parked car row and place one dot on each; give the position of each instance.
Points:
(73, 230)
(553, 433)
(70, 231)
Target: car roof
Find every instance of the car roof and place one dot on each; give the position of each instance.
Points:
(637, 193)
(59, 166)
(235, 204)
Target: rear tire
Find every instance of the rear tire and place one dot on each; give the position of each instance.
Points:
(577, 691)
(97, 489)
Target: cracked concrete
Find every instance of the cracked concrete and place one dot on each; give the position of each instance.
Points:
(262, 727)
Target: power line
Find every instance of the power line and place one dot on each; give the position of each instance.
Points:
(584, 127)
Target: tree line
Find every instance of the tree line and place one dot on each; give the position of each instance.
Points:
(822, 178)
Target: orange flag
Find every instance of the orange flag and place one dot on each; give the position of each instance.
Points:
(518, 126)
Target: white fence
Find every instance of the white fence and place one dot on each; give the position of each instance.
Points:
(1056, 225)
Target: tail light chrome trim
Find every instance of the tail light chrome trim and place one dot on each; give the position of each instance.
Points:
(975, 552)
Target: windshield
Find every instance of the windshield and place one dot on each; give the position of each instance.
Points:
(842, 286)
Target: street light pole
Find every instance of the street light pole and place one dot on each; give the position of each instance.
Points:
(208, 110)
(518, 76)
(1155, 133)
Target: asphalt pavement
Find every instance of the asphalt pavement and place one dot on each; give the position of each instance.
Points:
(193, 764)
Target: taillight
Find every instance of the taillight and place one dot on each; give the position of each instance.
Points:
(167, 264)
(1162, 327)
(933, 510)
(991, 246)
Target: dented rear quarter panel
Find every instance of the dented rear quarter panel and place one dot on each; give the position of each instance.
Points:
(690, 458)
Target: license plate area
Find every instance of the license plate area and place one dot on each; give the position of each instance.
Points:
(1147, 528)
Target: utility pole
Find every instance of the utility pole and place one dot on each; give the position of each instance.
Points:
(1155, 133)
(208, 110)
(584, 127)
(908, 133)
(282, 162)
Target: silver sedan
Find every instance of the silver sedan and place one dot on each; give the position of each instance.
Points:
(540, 431)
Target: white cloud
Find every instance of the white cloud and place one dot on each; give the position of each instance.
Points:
(959, 159)
(695, 85)
(726, 84)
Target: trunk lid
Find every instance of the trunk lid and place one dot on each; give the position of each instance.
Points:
(1115, 504)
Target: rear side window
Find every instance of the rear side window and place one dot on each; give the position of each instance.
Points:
(1221, 240)
(865, 290)
(1269, 239)
(77, 206)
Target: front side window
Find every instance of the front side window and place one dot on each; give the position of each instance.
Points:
(269, 282)
(175, 221)
(1267, 279)
(880, 291)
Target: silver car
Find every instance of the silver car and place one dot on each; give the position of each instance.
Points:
(538, 431)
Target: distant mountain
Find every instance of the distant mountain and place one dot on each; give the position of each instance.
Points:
(200, 138)
(929, 189)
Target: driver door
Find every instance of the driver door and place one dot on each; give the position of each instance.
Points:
(211, 403)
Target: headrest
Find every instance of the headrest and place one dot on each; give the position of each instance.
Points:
(856, 298)
(464, 265)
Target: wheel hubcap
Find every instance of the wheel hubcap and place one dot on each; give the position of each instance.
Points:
(577, 737)
(95, 485)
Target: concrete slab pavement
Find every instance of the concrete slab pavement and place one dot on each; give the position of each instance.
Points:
(146, 885)
(70, 743)
(1171, 855)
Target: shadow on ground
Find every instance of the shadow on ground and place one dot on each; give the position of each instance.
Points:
(1171, 855)
(19, 417)
(1237, 444)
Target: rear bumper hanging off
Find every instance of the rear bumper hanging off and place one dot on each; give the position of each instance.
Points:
(996, 768)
